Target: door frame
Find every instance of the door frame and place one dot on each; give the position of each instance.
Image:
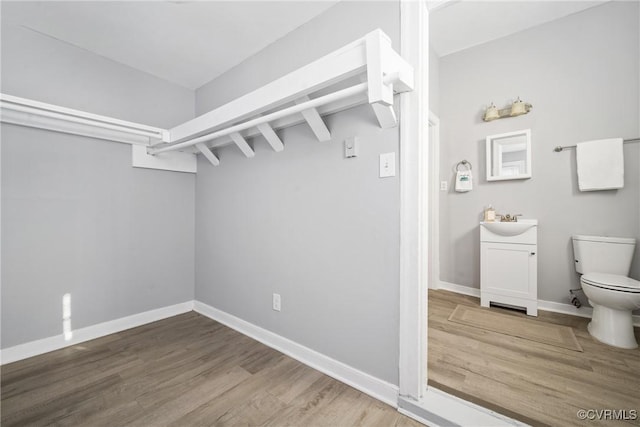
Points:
(413, 229)
(433, 195)
(416, 399)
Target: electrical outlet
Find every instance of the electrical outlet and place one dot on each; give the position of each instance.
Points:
(443, 186)
(277, 306)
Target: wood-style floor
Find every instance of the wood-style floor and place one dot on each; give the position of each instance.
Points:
(183, 371)
(535, 383)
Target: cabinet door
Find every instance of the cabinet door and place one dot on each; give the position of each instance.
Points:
(509, 269)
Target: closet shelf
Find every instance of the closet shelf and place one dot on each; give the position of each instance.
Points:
(367, 70)
(301, 96)
(29, 113)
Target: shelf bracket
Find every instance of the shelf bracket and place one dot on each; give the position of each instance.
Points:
(380, 94)
(274, 141)
(386, 115)
(316, 90)
(314, 120)
(242, 144)
(208, 154)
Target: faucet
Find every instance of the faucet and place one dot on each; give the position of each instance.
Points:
(509, 217)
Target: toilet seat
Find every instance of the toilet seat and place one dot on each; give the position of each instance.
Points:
(612, 282)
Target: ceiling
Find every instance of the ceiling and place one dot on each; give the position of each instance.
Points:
(184, 42)
(192, 42)
(455, 25)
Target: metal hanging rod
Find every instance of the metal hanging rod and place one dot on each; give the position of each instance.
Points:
(313, 103)
(559, 148)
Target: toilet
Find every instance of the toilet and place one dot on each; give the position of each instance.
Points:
(604, 263)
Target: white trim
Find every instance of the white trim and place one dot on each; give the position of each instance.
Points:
(555, 307)
(372, 54)
(45, 345)
(433, 197)
(439, 409)
(177, 162)
(27, 112)
(413, 209)
(459, 289)
(386, 72)
(366, 383)
(415, 399)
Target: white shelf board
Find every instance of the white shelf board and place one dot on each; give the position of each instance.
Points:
(30, 113)
(305, 95)
(175, 161)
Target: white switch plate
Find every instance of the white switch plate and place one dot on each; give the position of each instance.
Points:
(387, 165)
(277, 306)
(443, 186)
(351, 147)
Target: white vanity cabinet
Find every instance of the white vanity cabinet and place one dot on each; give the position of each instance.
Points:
(509, 264)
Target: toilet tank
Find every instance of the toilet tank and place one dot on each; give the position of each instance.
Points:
(599, 254)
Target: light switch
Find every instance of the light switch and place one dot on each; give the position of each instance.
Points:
(387, 165)
(443, 186)
(351, 147)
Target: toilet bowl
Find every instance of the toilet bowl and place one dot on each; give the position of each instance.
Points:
(613, 298)
(604, 263)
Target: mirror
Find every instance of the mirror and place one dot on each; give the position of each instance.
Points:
(509, 156)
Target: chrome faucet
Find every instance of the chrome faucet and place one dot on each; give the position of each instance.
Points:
(509, 217)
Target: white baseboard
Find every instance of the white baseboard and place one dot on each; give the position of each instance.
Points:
(45, 345)
(439, 409)
(366, 383)
(556, 307)
(459, 289)
(362, 381)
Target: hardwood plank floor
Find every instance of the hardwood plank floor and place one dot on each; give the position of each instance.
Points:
(182, 371)
(536, 383)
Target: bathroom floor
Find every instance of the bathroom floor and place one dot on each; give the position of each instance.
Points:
(535, 383)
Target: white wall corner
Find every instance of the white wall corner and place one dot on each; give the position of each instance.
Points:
(45, 345)
(366, 383)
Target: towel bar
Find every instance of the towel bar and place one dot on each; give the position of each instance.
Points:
(463, 163)
(560, 148)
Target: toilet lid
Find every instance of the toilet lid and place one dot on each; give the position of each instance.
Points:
(612, 281)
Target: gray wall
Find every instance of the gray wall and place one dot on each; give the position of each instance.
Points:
(581, 75)
(76, 217)
(38, 67)
(319, 229)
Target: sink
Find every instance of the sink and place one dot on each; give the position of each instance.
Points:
(510, 228)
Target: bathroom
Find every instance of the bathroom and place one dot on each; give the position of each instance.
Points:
(580, 74)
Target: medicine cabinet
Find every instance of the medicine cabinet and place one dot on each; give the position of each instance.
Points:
(509, 156)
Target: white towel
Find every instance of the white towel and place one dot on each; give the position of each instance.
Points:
(464, 181)
(600, 164)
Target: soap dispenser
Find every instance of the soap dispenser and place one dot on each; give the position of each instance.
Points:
(489, 214)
